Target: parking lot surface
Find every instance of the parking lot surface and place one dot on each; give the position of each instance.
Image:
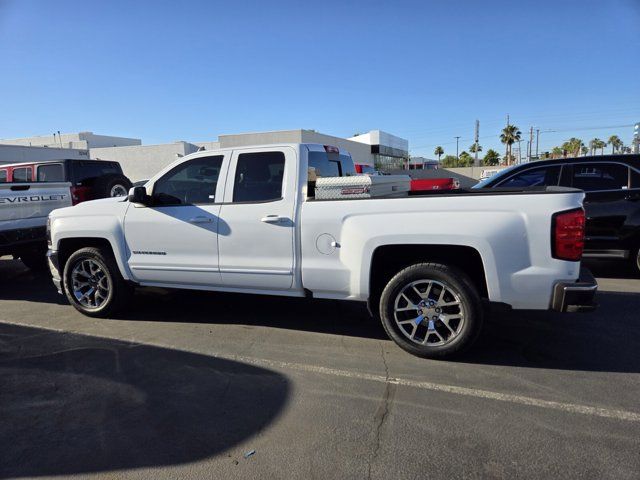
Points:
(204, 385)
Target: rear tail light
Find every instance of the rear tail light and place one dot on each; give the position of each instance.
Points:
(567, 241)
(79, 194)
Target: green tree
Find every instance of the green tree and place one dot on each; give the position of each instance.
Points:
(476, 147)
(449, 161)
(596, 144)
(584, 150)
(557, 152)
(510, 135)
(466, 160)
(491, 158)
(615, 143)
(439, 151)
(572, 147)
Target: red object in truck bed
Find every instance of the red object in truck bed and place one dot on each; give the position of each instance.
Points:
(422, 184)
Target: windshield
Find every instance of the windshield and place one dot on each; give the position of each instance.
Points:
(496, 176)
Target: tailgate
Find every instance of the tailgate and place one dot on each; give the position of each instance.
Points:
(28, 204)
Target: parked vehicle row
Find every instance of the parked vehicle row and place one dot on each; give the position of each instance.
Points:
(612, 202)
(30, 191)
(247, 220)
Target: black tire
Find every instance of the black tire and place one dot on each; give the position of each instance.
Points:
(107, 185)
(119, 291)
(35, 260)
(456, 282)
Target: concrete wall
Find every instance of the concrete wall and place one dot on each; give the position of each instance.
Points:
(141, 162)
(18, 153)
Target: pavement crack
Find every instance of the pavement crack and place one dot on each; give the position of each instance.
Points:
(382, 412)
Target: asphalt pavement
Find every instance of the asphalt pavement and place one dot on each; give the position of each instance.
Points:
(205, 385)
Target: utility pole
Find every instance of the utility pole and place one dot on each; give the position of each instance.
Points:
(530, 145)
(457, 140)
(477, 137)
(537, 139)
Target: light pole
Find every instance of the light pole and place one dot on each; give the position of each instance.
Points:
(457, 141)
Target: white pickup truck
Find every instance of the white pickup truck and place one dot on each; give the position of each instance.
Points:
(24, 208)
(246, 220)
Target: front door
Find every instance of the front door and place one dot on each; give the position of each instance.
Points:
(257, 242)
(174, 240)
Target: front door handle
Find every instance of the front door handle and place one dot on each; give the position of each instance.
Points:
(272, 219)
(200, 219)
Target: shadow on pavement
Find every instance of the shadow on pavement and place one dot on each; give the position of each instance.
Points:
(611, 269)
(605, 340)
(72, 404)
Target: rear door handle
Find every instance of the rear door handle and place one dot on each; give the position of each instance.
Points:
(272, 219)
(200, 219)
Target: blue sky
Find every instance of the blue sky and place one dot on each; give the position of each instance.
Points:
(191, 70)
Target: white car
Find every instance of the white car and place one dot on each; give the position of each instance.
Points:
(246, 220)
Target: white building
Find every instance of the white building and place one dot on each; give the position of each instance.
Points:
(80, 140)
(140, 162)
(20, 153)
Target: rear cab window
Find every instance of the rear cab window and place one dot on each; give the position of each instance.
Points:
(22, 175)
(592, 177)
(53, 172)
(323, 163)
(4, 176)
(85, 173)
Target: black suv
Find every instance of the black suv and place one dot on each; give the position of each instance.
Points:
(612, 202)
(90, 179)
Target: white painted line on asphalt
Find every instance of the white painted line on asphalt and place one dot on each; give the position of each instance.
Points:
(438, 387)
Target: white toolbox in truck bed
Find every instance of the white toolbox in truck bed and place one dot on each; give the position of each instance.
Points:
(362, 186)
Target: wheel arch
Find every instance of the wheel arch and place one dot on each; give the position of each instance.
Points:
(66, 247)
(387, 260)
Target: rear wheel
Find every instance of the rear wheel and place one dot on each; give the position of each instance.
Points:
(431, 310)
(93, 283)
(112, 186)
(635, 259)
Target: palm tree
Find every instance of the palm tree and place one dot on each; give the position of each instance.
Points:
(438, 151)
(510, 134)
(615, 143)
(573, 146)
(476, 147)
(594, 144)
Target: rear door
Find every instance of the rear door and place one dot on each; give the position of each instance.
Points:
(256, 237)
(608, 205)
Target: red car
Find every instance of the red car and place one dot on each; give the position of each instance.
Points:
(427, 184)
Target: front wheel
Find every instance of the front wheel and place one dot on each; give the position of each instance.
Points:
(431, 310)
(93, 283)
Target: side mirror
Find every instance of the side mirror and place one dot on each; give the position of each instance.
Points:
(138, 195)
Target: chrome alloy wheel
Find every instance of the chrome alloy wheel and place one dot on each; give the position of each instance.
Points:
(118, 191)
(429, 312)
(90, 284)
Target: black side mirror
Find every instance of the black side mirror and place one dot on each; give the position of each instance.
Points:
(139, 195)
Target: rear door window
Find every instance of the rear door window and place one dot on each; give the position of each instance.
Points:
(50, 173)
(22, 175)
(85, 173)
(535, 177)
(258, 177)
(592, 177)
(3, 176)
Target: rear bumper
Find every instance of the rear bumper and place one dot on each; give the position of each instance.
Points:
(578, 296)
(52, 260)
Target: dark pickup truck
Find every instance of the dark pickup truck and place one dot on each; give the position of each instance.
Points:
(612, 203)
